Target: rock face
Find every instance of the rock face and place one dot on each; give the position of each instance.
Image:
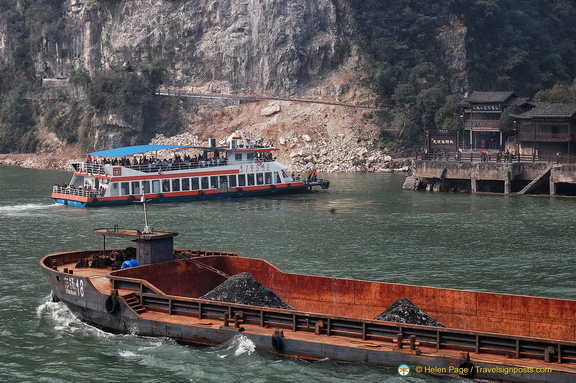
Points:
(404, 311)
(226, 46)
(242, 288)
(285, 50)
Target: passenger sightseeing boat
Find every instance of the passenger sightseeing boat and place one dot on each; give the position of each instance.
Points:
(110, 177)
(188, 295)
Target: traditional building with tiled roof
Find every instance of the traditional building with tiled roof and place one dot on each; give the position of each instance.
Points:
(481, 112)
(549, 128)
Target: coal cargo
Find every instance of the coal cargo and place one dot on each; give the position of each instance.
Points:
(242, 288)
(404, 311)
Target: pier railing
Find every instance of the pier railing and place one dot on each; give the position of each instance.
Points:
(495, 157)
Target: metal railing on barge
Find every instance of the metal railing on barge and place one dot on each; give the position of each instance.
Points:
(438, 338)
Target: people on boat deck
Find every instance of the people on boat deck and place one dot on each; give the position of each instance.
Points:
(312, 175)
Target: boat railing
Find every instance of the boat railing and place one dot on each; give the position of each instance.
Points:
(518, 347)
(168, 167)
(88, 168)
(81, 192)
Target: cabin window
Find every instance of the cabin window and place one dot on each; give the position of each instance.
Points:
(238, 156)
(205, 184)
(165, 185)
(114, 189)
(251, 179)
(260, 178)
(241, 179)
(135, 187)
(176, 184)
(156, 186)
(195, 183)
(146, 187)
(185, 184)
(268, 178)
(214, 182)
(250, 156)
(232, 181)
(125, 188)
(277, 176)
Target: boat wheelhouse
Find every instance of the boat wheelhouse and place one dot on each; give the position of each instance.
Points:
(110, 177)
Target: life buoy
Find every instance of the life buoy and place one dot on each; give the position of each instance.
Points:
(112, 304)
(201, 194)
(160, 197)
(94, 201)
(273, 188)
(277, 342)
(239, 191)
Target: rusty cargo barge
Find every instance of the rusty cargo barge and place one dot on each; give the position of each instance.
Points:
(489, 336)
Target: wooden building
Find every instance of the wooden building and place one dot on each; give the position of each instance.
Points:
(481, 114)
(547, 129)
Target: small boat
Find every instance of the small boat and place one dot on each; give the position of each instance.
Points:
(242, 169)
(208, 297)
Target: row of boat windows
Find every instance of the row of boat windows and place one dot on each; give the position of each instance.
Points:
(224, 183)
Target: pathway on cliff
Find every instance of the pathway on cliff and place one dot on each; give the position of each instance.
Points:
(240, 98)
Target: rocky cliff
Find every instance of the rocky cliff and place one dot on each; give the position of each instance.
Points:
(294, 52)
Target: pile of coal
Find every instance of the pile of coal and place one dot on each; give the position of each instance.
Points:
(404, 311)
(243, 288)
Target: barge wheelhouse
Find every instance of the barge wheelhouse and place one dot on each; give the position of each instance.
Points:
(241, 169)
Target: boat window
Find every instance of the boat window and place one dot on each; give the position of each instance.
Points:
(135, 187)
(125, 188)
(176, 184)
(214, 182)
(250, 156)
(204, 182)
(114, 189)
(260, 178)
(238, 156)
(185, 183)
(277, 176)
(146, 186)
(156, 186)
(251, 179)
(268, 177)
(195, 183)
(232, 181)
(241, 179)
(165, 185)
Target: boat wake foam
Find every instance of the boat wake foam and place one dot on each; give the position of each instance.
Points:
(63, 319)
(238, 345)
(24, 207)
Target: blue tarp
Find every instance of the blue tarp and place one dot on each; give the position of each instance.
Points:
(130, 150)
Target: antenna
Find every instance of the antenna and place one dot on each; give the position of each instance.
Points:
(147, 229)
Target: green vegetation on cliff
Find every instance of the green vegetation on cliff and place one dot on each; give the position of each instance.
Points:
(528, 46)
(520, 45)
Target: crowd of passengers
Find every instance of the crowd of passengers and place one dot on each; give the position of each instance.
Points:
(85, 190)
(156, 163)
(176, 162)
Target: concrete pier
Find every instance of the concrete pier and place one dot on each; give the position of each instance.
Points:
(494, 177)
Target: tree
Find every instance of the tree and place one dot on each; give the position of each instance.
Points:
(506, 122)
